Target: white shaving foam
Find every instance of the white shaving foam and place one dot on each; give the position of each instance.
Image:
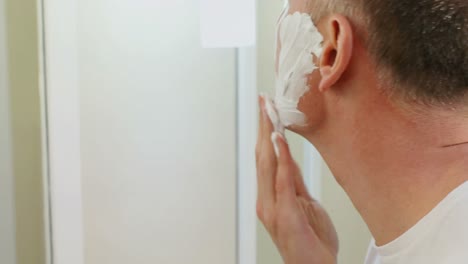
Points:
(273, 115)
(300, 40)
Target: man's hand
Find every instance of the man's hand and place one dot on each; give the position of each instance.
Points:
(299, 226)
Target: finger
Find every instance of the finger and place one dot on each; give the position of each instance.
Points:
(268, 128)
(285, 178)
(261, 105)
(267, 163)
(301, 188)
(299, 183)
(260, 127)
(258, 147)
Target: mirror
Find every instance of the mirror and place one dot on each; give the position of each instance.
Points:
(144, 137)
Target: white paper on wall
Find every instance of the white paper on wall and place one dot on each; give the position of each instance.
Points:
(227, 23)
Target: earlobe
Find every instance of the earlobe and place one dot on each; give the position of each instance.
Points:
(337, 50)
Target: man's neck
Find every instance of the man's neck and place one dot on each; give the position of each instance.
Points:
(396, 169)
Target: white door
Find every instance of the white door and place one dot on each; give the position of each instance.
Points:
(142, 134)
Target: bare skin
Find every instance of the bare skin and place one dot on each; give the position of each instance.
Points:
(396, 159)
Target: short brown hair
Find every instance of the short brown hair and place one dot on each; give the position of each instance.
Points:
(422, 44)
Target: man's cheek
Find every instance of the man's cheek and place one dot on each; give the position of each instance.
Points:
(300, 6)
(312, 105)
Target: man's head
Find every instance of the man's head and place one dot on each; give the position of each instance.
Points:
(387, 104)
(413, 53)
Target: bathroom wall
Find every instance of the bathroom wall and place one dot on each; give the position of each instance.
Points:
(23, 67)
(7, 209)
(353, 233)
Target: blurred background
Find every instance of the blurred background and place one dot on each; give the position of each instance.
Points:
(122, 135)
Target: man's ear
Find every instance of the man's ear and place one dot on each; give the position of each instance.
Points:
(337, 50)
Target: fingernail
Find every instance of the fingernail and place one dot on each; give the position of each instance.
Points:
(274, 140)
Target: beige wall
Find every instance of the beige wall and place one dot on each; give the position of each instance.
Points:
(7, 210)
(353, 233)
(26, 129)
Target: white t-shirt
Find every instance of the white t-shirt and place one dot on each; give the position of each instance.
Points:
(441, 237)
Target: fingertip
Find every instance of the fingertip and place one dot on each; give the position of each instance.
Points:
(261, 99)
(261, 107)
(274, 139)
(281, 144)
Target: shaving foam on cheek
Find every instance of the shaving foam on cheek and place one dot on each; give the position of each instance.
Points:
(273, 115)
(299, 39)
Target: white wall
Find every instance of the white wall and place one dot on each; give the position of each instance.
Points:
(7, 212)
(157, 117)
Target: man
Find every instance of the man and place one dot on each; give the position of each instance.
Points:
(388, 111)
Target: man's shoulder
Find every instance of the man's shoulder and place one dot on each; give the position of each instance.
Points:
(440, 237)
(447, 239)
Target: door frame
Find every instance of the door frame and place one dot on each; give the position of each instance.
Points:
(61, 129)
(247, 120)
